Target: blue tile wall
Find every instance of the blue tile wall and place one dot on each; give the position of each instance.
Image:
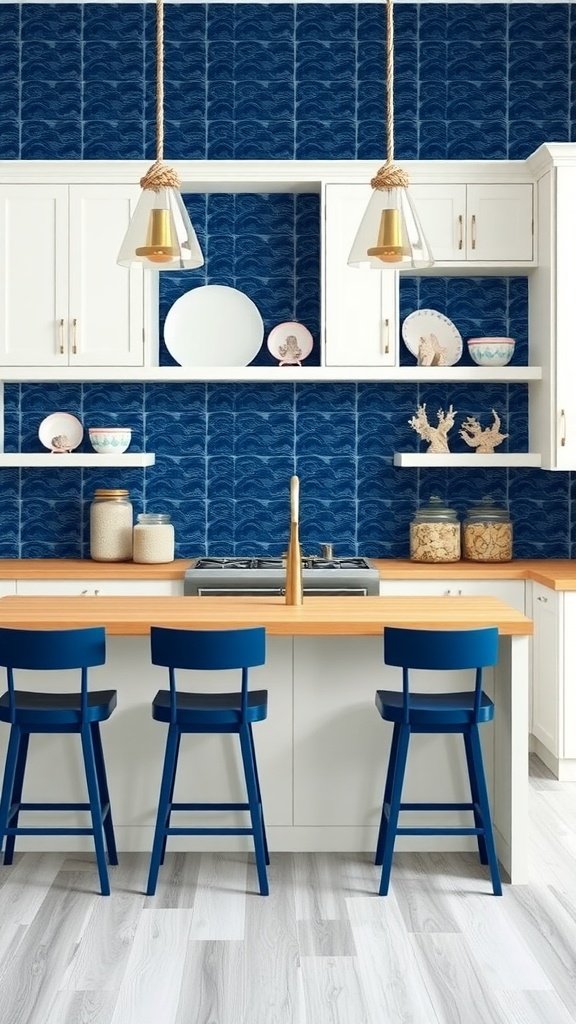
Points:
(284, 81)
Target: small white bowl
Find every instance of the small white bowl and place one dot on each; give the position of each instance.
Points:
(110, 440)
(491, 351)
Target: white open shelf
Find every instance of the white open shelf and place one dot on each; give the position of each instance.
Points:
(275, 374)
(69, 460)
(472, 461)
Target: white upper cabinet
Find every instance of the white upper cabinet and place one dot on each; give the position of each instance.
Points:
(551, 309)
(64, 299)
(360, 307)
(486, 223)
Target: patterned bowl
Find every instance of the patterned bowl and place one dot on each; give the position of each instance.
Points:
(110, 440)
(491, 351)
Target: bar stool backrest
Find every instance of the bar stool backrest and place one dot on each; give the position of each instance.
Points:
(52, 649)
(208, 650)
(443, 650)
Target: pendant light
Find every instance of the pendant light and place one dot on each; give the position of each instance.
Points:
(160, 235)
(390, 236)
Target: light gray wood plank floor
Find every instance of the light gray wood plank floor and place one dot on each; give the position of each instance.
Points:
(323, 948)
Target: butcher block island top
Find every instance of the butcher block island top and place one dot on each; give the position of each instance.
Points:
(317, 616)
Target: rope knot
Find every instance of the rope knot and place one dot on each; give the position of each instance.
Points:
(159, 176)
(390, 176)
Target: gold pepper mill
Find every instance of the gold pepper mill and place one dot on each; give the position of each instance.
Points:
(294, 593)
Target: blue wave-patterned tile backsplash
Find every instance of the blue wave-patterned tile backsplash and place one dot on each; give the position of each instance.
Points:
(285, 81)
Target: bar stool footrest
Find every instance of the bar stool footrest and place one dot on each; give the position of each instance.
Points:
(208, 832)
(210, 807)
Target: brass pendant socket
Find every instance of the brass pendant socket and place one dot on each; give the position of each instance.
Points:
(389, 248)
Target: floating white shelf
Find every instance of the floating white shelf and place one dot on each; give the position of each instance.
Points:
(473, 461)
(69, 460)
(278, 374)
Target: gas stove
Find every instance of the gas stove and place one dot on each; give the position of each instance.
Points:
(267, 575)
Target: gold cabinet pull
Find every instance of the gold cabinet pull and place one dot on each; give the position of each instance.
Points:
(61, 337)
(74, 336)
(473, 231)
(460, 231)
(562, 428)
(384, 337)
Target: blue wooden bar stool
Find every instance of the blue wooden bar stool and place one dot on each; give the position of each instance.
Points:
(81, 712)
(186, 712)
(437, 650)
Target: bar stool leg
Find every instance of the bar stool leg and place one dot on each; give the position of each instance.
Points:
(267, 856)
(387, 794)
(104, 793)
(168, 775)
(170, 798)
(395, 796)
(95, 807)
(9, 779)
(478, 823)
(478, 767)
(255, 809)
(17, 794)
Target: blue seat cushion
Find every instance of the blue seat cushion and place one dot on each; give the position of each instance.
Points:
(434, 709)
(50, 709)
(204, 709)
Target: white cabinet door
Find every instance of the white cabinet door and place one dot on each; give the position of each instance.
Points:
(108, 588)
(510, 591)
(360, 306)
(551, 326)
(568, 666)
(546, 669)
(7, 588)
(477, 223)
(33, 275)
(64, 299)
(106, 303)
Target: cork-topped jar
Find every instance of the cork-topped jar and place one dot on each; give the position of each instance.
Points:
(435, 533)
(111, 518)
(487, 533)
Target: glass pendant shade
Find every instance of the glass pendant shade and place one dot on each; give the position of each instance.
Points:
(160, 235)
(390, 236)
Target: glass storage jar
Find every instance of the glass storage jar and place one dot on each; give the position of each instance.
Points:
(111, 518)
(435, 533)
(487, 533)
(153, 539)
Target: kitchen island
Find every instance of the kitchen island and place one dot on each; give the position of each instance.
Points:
(323, 749)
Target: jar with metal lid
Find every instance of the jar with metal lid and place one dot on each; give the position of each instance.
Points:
(111, 518)
(153, 539)
(435, 533)
(487, 533)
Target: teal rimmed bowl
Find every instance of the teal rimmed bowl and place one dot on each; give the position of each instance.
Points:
(110, 440)
(491, 351)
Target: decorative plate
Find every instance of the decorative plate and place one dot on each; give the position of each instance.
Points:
(432, 338)
(290, 342)
(60, 432)
(213, 325)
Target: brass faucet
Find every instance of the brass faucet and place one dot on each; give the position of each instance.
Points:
(294, 594)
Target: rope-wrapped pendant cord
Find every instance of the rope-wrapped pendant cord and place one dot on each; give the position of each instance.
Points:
(390, 176)
(158, 175)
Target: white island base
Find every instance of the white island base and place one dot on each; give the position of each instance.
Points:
(322, 754)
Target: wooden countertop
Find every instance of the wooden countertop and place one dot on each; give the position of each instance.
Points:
(85, 568)
(558, 574)
(318, 616)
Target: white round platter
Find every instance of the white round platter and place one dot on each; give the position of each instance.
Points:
(423, 323)
(290, 342)
(213, 325)
(61, 432)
